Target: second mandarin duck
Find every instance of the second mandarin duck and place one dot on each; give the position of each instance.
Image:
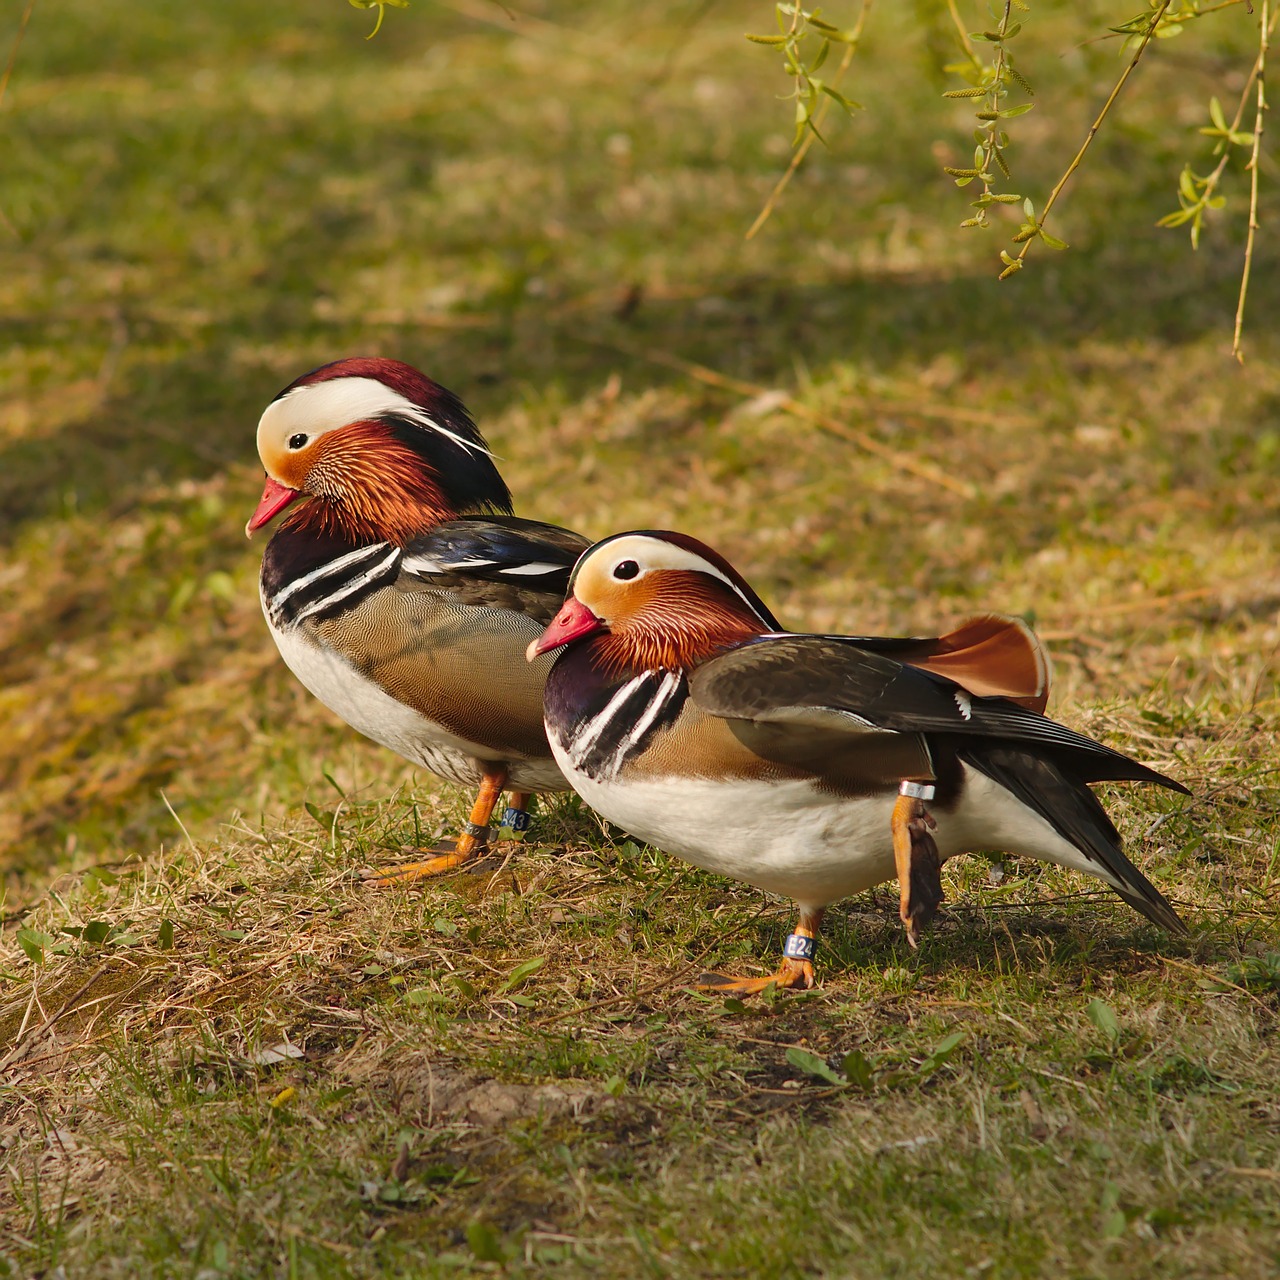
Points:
(815, 766)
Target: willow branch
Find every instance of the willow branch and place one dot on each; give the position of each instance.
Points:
(17, 44)
(1211, 183)
(797, 157)
(1093, 133)
(1258, 126)
(963, 35)
(8, 72)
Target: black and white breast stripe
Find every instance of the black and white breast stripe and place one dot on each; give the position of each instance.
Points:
(337, 584)
(632, 714)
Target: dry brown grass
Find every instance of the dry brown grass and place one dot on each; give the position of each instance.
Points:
(635, 365)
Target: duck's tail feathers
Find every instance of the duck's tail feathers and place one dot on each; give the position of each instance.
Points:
(1057, 791)
(1114, 767)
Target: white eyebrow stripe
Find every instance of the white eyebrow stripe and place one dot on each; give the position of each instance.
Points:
(318, 407)
(424, 419)
(359, 581)
(641, 546)
(535, 566)
(708, 567)
(331, 566)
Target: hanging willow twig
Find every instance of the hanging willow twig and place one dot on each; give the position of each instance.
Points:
(798, 155)
(1011, 263)
(1258, 126)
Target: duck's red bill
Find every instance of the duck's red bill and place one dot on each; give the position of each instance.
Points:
(275, 497)
(572, 622)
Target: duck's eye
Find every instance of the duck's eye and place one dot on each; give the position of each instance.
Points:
(297, 441)
(625, 570)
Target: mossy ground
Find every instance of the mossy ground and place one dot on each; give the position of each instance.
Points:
(230, 1058)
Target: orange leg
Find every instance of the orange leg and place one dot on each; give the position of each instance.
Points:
(471, 842)
(796, 969)
(916, 857)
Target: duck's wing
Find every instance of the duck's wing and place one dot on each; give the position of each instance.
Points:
(809, 687)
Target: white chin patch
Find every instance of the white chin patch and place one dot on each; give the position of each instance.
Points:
(319, 407)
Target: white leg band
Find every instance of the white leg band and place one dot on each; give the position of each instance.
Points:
(917, 790)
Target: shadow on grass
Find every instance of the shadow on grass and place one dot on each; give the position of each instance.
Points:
(862, 936)
(193, 415)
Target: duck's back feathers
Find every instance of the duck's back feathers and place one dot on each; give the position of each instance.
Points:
(437, 627)
(501, 561)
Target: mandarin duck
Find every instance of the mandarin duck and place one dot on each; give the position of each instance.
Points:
(400, 589)
(815, 766)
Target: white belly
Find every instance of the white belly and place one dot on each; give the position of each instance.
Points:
(791, 838)
(373, 712)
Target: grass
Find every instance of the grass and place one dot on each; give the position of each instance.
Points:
(221, 1055)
